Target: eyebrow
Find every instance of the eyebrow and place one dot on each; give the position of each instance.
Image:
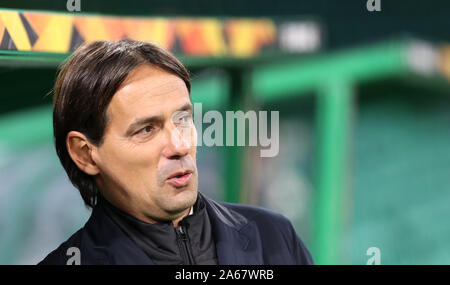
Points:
(151, 119)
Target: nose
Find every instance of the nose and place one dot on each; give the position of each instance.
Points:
(178, 142)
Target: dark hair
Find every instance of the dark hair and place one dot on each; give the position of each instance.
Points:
(84, 87)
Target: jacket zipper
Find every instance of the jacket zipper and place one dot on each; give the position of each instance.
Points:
(184, 245)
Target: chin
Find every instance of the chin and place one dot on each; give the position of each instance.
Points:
(182, 200)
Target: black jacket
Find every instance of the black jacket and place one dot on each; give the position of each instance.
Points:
(243, 235)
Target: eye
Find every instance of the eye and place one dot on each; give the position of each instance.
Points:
(184, 119)
(147, 130)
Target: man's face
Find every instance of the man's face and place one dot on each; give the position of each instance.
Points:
(147, 160)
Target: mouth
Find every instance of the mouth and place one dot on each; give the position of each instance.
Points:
(180, 178)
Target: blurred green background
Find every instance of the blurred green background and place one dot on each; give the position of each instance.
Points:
(364, 130)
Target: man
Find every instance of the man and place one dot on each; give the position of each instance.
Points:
(124, 133)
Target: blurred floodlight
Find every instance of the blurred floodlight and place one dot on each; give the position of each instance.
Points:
(300, 37)
(423, 58)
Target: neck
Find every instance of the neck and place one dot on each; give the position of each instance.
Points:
(177, 221)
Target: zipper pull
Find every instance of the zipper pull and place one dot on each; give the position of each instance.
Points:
(182, 233)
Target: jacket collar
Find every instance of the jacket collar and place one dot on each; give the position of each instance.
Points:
(110, 245)
(236, 238)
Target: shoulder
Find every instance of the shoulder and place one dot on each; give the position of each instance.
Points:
(269, 224)
(256, 213)
(61, 254)
(85, 240)
(279, 240)
(259, 215)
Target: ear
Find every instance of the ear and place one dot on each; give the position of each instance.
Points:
(80, 150)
